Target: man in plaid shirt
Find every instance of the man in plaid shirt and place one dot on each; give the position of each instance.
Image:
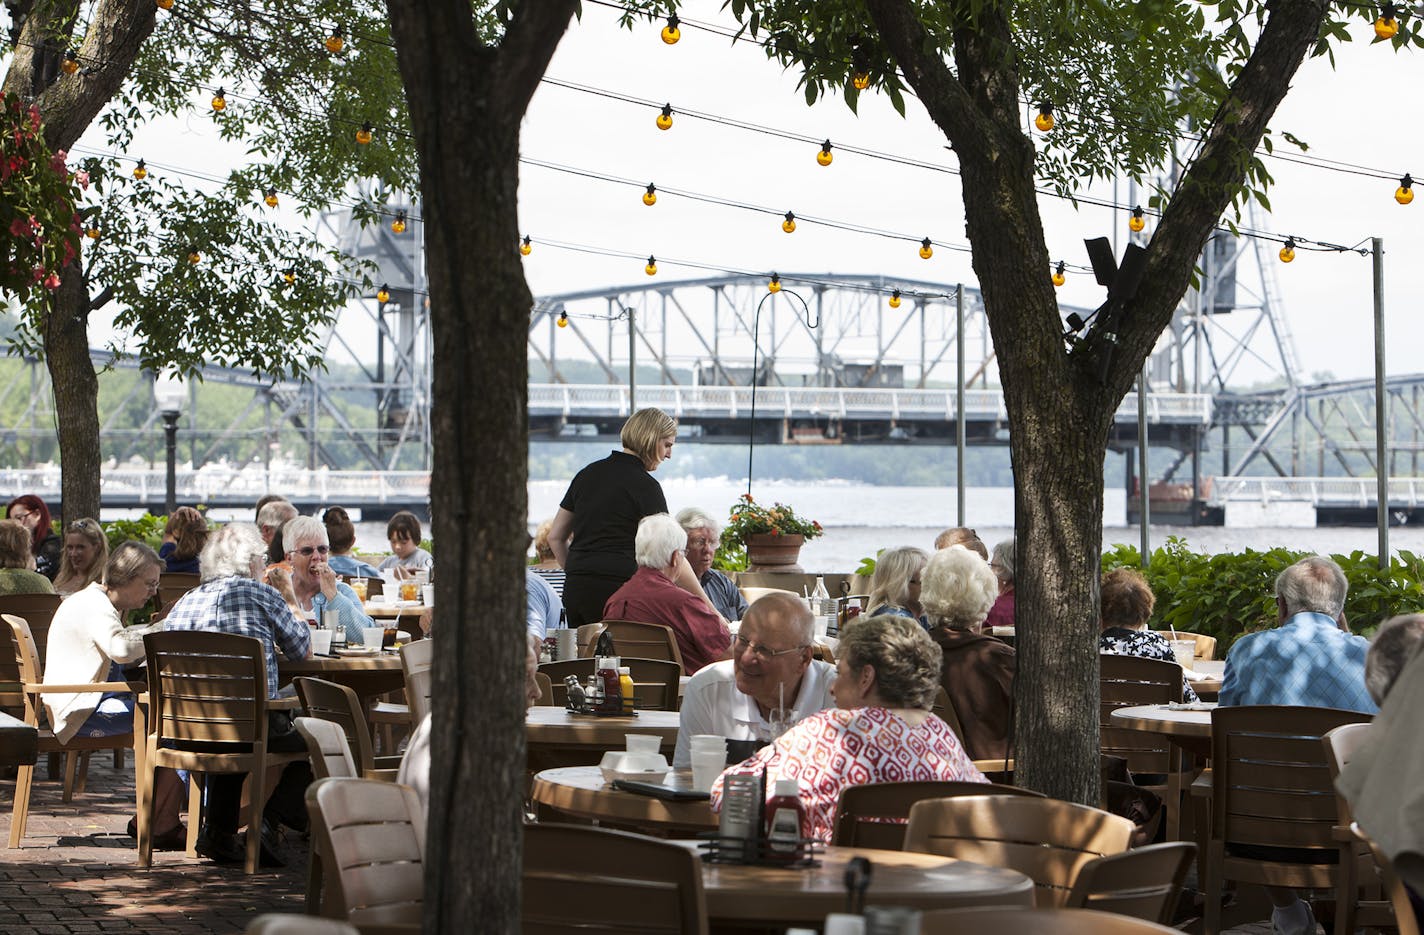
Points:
(232, 600)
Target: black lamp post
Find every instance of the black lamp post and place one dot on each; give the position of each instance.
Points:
(168, 396)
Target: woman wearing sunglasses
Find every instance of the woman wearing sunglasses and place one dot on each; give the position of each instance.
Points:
(314, 583)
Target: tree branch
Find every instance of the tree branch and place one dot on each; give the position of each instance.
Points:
(529, 42)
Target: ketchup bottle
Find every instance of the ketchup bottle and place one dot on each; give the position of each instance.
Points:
(785, 822)
(608, 680)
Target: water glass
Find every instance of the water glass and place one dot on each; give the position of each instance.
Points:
(707, 765)
(321, 642)
(1185, 651)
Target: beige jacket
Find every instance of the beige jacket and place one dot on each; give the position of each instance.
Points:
(1384, 783)
(84, 637)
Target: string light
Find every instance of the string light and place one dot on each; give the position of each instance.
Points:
(1058, 278)
(652, 268)
(271, 198)
(70, 64)
(1288, 251)
(398, 225)
(140, 171)
(895, 299)
(194, 256)
(926, 249)
(1136, 223)
(664, 120)
(1387, 25)
(1405, 193)
(335, 42)
(824, 157)
(164, 4)
(789, 225)
(775, 284)
(363, 135)
(860, 80)
(526, 246)
(383, 294)
(92, 232)
(650, 197)
(219, 100)
(563, 321)
(671, 33)
(290, 275)
(1044, 120)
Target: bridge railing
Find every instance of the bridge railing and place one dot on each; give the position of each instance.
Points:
(573, 400)
(1317, 491)
(217, 482)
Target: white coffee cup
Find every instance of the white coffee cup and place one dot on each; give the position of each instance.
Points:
(427, 595)
(707, 765)
(643, 743)
(372, 636)
(321, 642)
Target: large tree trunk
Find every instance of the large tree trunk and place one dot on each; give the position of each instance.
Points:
(76, 395)
(466, 102)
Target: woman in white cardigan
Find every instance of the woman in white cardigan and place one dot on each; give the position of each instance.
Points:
(88, 643)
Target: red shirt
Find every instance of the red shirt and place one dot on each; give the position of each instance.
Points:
(648, 597)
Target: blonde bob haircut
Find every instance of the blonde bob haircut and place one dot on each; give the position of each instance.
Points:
(644, 430)
(907, 662)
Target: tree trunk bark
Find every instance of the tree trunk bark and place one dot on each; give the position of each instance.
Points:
(466, 102)
(76, 395)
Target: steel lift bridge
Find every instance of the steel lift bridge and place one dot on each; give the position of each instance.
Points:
(825, 361)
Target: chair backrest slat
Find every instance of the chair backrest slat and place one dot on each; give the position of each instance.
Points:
(207, 687)
(417, 662)
(1143, 882)
(633, 639)
(1125, 681)
(876, 814)
(27, 664)
(371, 838)
(330, 753)
(339, 704)
(38, 611)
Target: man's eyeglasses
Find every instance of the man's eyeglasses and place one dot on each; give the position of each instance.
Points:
(701, 543)
(307, 551)
(763, 653)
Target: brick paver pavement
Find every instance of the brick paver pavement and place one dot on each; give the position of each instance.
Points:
(77, 871)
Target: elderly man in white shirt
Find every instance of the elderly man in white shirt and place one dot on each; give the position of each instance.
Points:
(771, 665)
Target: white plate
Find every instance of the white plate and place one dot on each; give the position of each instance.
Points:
(358, 651)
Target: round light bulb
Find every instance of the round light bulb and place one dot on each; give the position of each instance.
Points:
(1405, 193)
(363, 135)
(563, 321)
(895, 299)
(824, 157)
(926, 251)
(383, 294)
(219, 100)
(1044, 121)
(650, 197)
(70, 63)
(335, 42)
(195, 257)
(92, 233)
(526, 246)
(775, 284)
(670, 32)
(271, 198)
(164, 4)
(290, 275)
(860, 80)
(1136, 223)
(1288, 251)
(789, 225)
(1059, 279)
(140, 170)
(664, 120)
(398, 225)
(652, 268)
(1386, 28)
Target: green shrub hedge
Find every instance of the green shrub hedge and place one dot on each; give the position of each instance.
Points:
(1230, 594)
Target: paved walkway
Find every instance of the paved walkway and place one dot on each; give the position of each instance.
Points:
(77, 871)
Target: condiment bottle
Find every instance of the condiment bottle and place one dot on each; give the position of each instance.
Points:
(591, 692)
(612, 692)
(785, 818)
(625, 687)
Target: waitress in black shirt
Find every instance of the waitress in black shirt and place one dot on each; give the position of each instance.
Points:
(592, 535)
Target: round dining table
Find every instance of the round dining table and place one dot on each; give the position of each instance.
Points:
(557, 737)
(1205, 677)
(740, 895)
(582, 792)
(1188, 728)
(365, 674)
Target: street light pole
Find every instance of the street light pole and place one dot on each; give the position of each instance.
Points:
(170, 429)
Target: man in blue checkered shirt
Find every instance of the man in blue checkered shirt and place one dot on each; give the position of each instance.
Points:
(230, 600)
(1310, 659)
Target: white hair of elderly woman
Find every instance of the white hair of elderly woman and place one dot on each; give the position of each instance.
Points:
(232, 551)
(658, 537)
(957, 589)
(302, 530)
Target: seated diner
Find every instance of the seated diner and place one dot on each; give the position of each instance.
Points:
(881, 729)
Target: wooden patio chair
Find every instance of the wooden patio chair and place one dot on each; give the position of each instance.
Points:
(990, 921)
(338, 703)
(635, 640)
(638, 884)
(207, 714)
(1046, 839)
(370, 837)
(331, 758)
(32, 690)
(1271, 789)
(546, 688)
(173, 585)
(875, 815)
(38, 611)
(655, 681)
(1206, 645)
(1143, 882)
(417, 657)
(1124, 681)
(1341, 744)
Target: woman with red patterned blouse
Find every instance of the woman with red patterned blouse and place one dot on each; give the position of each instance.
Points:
(881, 729)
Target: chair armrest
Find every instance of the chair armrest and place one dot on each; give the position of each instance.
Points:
(1201, 786)
(284, 704)
(85, 688)
(384, 775)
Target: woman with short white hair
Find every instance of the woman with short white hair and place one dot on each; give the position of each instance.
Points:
(1001, 563)
(314, 584)
(977, 670)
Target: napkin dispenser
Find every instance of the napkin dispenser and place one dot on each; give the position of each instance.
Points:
(739, 827)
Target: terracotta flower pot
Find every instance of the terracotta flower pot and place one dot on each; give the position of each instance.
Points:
(766, 550)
